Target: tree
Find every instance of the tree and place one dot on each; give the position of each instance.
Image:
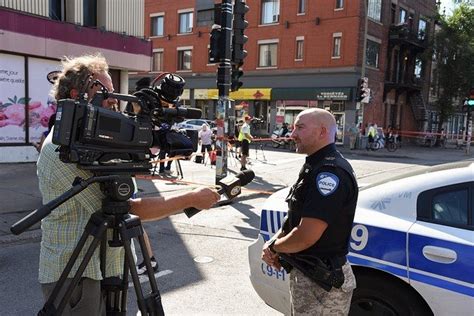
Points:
(453, 50)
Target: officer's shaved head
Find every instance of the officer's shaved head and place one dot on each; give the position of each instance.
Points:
(314, 129)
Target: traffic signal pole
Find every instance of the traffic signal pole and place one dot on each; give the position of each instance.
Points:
(225, 113)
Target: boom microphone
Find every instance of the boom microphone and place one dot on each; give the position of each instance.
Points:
(181, 112)
(230, 186)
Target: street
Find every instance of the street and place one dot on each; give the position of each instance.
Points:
(203, 260)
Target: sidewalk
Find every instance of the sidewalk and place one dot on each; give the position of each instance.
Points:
(19, 184)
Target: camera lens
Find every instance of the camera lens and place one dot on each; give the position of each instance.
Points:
(172, 87)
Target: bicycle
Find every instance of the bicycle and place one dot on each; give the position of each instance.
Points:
(379, 142)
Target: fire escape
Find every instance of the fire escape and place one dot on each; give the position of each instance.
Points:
(405, 72)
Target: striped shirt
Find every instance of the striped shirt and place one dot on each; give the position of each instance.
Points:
(63, 227)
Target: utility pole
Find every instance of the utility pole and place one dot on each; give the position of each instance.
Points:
(226, 49)
(360, 105)
(224, 104)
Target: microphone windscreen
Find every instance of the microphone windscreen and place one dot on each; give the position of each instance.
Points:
(245, 177)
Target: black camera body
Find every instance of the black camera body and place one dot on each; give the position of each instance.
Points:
(101, 139)
(109, 142)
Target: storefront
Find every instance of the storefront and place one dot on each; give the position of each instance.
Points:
(289, 102)
(254, 102)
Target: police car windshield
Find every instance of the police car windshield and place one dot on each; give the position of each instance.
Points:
(447, 166)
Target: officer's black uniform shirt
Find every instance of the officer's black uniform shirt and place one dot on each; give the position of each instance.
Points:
(329, 193)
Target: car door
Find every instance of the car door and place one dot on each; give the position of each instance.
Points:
(441, 249)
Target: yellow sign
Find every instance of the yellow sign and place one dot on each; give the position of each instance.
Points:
(244, 94)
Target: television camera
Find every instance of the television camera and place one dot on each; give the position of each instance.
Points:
(104, 141)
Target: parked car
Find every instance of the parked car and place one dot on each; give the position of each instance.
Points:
(411, 246)
(195, 124)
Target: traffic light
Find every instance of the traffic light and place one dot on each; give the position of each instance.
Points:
(363, 91)
(235, 77)
(238, 37)
(215, 50)
(470, 99)
(238, 42)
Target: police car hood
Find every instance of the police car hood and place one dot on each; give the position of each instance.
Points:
(397, 196)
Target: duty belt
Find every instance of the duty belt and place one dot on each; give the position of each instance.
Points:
(326, 272)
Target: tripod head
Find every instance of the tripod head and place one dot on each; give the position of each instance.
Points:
(117, 188)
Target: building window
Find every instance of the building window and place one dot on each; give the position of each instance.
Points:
(372, 54)
(184, 59)
(402, 16)
(336, 46)
(422, 26)
(299, 48)
(339, 4)
(301, 6)
(205, 17)
(90, 12)
(270, 11)
(374, 8)
(418, 67)
(157, 23)
(157, 61)
(185, 22)
(268, 55)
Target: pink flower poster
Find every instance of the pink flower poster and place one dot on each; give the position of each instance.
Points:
(41, 105)
(12, 99)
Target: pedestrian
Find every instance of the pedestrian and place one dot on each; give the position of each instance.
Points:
(371, 136)
(443, 138)
(321, 212)
(45, 134)
(205, 139)
(62, 228)
(245, 138)
(353, 134)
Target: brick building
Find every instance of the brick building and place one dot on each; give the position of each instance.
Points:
(302, 54)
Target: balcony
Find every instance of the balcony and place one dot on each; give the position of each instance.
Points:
(402, 35)
(410, 84)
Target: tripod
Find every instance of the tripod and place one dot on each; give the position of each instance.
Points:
(257, 148)
(116, 217)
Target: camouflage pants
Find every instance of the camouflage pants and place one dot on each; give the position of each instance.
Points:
(307, 298)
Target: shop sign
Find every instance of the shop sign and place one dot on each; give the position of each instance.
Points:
(185, 95)
(201, 94)
(331, 95)
(244, 94)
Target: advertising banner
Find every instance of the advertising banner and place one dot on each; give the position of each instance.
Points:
(12, 99)
(41, 104)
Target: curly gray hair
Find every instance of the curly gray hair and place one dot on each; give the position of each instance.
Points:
(75, 73)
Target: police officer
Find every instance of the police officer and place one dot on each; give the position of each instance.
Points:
(321, 212)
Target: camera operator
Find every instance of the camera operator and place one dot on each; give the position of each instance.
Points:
(62, 228)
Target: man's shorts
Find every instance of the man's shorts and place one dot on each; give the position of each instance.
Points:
(245, 147)
(206, 147)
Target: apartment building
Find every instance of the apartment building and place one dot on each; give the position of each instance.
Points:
(304, 54)
(35, 35)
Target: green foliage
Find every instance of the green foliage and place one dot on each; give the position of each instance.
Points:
(454, 55)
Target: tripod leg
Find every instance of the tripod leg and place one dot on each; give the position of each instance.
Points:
(150, 305)
(96, 226)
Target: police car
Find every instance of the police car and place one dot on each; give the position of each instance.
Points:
(411, 246)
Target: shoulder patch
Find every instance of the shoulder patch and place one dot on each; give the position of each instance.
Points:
(327, 183)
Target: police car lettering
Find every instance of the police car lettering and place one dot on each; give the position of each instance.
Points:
(327, 183)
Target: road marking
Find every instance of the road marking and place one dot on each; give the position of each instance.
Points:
(144, 277)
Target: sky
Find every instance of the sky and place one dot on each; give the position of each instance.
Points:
(448, 4)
